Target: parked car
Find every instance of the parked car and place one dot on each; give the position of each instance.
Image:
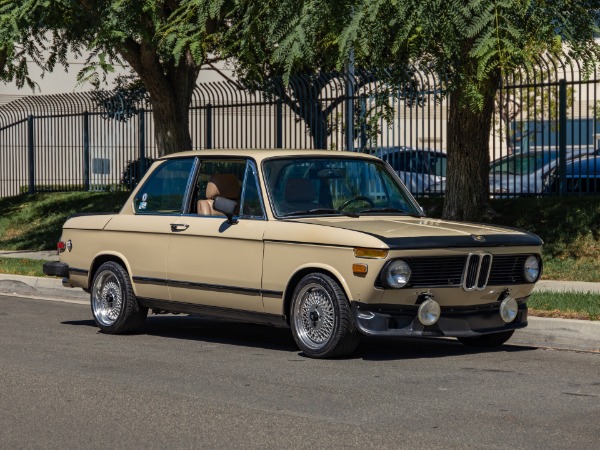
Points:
(522, 173)
(528, 173)
(299, 239)
(582, 176)
(417, 168)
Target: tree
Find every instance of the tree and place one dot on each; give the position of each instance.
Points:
(139, 32)
(289, 50)
(471, 44)
(254, 43)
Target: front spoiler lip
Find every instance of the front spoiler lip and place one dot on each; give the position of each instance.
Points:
(466, 322)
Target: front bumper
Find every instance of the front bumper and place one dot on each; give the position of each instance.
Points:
(392, 320)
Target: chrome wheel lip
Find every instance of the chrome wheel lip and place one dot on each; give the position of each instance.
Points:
(314, 316)
(107, 298)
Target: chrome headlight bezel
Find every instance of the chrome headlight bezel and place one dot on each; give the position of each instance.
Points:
(396, 274)
(532, 269)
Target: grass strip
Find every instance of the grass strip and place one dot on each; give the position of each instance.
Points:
(570, 269)
(34, 222)
(566, 305)
(22, 266)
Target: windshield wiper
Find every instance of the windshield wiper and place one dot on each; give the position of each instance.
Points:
(392, 210)
(320, 211)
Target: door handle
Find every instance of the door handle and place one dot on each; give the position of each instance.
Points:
(179, 227)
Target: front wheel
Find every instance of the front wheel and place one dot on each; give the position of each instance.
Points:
(487, 340)
(114, 305)
(321, 319)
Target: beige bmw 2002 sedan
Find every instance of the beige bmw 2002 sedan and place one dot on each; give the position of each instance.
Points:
(330, 244)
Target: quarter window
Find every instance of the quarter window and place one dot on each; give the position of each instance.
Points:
(251, 204)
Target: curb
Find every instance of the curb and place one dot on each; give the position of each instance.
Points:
(21, 285)
(562, 334)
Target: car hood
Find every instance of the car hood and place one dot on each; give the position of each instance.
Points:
(412, 233)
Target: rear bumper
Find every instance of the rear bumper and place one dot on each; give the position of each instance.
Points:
(56, 269)
(388, 320)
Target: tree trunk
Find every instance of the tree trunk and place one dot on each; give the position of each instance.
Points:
(467, 182)
(171, 122)
(171, 86)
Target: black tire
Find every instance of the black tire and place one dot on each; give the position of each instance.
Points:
(321, 319)
(487, 340)
(114, 305)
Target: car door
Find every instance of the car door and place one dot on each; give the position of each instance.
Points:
(213, 262)
(142, 238)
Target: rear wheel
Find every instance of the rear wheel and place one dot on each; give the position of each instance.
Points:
(487, 340)
(321, 318)
(114, 305)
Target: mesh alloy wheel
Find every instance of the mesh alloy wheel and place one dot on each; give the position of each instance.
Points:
(107, 298)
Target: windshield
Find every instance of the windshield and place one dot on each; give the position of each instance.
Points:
(339, 186)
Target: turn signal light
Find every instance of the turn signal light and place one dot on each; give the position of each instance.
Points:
(374, 253)
(360, 269)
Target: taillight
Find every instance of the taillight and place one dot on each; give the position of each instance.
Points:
(61, 246)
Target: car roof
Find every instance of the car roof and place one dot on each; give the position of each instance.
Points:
(262, 154)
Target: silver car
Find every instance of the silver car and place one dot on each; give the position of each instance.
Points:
(418, 169)
(528, 173)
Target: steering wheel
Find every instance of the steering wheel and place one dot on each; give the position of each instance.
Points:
(358, 198)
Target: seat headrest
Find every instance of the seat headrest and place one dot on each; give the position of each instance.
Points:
(223, 185)
(299, 190)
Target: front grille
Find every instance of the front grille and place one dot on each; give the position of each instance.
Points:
(436, 271)
(473, 271)
(508, 269)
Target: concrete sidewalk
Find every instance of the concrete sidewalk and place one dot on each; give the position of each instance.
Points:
(580, 335)
(44, 255)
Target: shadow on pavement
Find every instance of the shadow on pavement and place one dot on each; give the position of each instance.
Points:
(280, 339)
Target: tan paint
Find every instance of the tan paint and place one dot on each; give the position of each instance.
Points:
(213, 252)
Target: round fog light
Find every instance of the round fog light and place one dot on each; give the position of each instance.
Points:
(429, 312)
(509, 309)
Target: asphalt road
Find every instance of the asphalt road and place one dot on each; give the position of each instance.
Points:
(187, 382)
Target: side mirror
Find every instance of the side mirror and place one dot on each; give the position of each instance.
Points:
(225, 206)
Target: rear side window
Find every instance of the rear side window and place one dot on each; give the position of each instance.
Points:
(165, 189)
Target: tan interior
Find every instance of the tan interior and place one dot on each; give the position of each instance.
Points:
(220, 185)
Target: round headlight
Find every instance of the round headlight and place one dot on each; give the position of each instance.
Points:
(397, 274)
(531, 269)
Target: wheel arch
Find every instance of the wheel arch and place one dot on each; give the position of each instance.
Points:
(106, 257)
(300, 274)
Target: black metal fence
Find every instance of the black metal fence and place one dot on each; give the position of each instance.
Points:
(544, 139)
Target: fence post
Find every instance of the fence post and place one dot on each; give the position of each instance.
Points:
(363, 125)
(279, 113)
(142, 139)
(562, 136)
(86, 151)
(350, 105)
(30, 154)
(208, 126)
